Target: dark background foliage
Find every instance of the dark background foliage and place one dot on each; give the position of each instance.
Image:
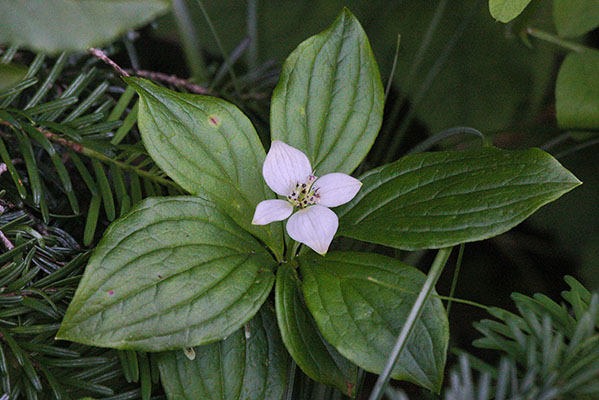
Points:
(474, 72)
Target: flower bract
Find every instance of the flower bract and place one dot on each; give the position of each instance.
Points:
(287, 171)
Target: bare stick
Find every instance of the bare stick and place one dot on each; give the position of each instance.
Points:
(7, 243)
(173, 80)
(99, 54)
(52, 136)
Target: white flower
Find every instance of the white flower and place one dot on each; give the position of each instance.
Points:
(288, 173)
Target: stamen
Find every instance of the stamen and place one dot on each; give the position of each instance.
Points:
(304, 195)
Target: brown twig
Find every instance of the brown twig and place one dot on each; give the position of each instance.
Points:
(99, 54)
(102, 157)
(158, 76)
(54, 137)
(7, 243)
(173, 80)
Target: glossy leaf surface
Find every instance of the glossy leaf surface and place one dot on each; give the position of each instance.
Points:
(210, 148)
(441, 199)
(52, 26)
(575, 18)
(317, 358)
(507, 10)
(175, 272)
(360, 302)
(329, 99)
(251, 364)
(577, 92)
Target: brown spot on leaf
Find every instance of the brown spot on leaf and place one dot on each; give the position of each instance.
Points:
(111, 292)
(214, 121)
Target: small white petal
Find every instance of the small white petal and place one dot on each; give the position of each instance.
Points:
(285, 166)
(314, 226)
(336, 189)
(268, 211)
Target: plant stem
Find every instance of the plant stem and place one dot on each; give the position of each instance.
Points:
(291, 380)
(431, 141)
(138, 171)
(252, 21)
(101, 157)
(456, 274)
(408, 328)
(420, 94)
(416, 61)
(577, 148)
(173, 80)
(390, 81)
(449, 299)
(551, 38)
(191, 44)
(100, 55)
(219, 44)
(6, 242)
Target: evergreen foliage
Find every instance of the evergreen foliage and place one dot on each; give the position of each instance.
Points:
(549, 351)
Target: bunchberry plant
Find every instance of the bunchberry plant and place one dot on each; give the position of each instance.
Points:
(197, 270)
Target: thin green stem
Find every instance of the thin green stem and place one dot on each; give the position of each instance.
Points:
(291, 380)
(392, 74)
(103, 158)
(191, 44)
(138, 171)
(555, 141)
(219, 44)
(456, 274)
(252, 21)
(410, 324)
(293, 249)
(577, 148)
(425, 86)
(551, 38)
(437, 296)
(415, 65)
(431, 141)
(131, 51)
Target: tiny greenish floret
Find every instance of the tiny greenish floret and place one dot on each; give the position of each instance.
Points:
(287, 171)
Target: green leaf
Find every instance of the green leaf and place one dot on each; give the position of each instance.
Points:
(360, 302)
(317, 358)
(153, 282)
(210, 148)
(442, 95)
(251, 364)
(52, 26)
(329, 99)
(507, 10)
(441, 199)
(577, 92)
(575, 18)
(10, 75)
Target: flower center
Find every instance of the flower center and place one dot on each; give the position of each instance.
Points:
(304, 194)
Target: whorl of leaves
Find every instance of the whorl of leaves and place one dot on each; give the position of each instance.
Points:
(71, 161)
